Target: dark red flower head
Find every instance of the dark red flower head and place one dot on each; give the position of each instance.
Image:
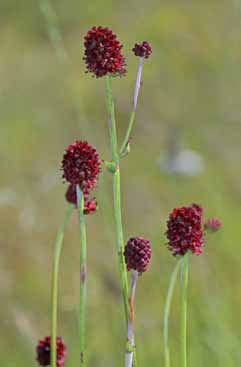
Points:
(103, 52)
(184, 230)
(81, 165)
(137, 254)
(142, 49)
(212, 225)
(90, 204)
(43, 352)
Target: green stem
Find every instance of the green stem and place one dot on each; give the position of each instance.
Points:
(117, 195)
(124, 146)
(167, 313)
(128, 133)
(83, 274)
(55, 278)
(53, 29)
(184, 289)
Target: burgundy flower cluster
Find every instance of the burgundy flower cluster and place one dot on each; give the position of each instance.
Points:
(44, 352)
(142, 49)
(103, 52)
(184, 230)
(137, 254)
(81, 166)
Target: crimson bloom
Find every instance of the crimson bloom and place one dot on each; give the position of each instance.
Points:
(184, 230)
(81, 165)
(142, 49)
(103, 52)
(90, 205)
(44, 355)
(137, 254)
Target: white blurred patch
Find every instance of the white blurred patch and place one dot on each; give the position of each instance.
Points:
(184, 162)
(24, 326)
(48, 182)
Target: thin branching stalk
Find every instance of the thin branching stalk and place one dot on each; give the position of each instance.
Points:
(124, 146)
(117, 200)
(55, 279)
(130, 330)
(167, 313)
(117, 193)
(83, 274)
(184, 291)
(53, 29)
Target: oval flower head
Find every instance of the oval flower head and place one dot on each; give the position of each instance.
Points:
(81, 165)
(137, 254)
(103, 52)
(44, 354)
(184, 230)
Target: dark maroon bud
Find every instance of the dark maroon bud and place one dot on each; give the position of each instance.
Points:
(137, 254)
(184, 230)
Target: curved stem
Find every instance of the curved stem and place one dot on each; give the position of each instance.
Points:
(185, 263)
(55, 278)
(167, 313)
(83, 274)
(124, 146)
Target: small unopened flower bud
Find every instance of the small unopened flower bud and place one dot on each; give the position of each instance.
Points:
(90, 205)
(44, 352)
(212, 225)
(142, 49)
(137, 254)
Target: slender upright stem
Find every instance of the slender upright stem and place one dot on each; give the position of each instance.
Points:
(124, 145)
(53, 29)
(130, 331)
(167, 313)
(117, 194)
(55, 279)
(184, 288)
(83, 274)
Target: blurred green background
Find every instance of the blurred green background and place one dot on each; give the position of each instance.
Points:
(191, 94)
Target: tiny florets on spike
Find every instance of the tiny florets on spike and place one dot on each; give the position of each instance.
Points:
(103, 52)
(137, 254)
(90, 205)
(184, 230)
(212, 225)
(142, 49)
(44, 352)
(81, 165)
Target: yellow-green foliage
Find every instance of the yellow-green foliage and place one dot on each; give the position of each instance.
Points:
(191, 84)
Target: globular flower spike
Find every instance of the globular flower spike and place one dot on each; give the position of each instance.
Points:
(212, 225)
(103, 53)
(142, 49)
(44, 355)
(81, 165)
(90, 205)
(137, 254)
(184, 230)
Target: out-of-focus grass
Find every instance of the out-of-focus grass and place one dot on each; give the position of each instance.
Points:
(192, 83)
